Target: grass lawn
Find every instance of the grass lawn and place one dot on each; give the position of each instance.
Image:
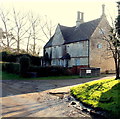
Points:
(9, 76)
(104, 94)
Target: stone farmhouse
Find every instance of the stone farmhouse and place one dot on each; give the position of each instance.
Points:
(81, 45)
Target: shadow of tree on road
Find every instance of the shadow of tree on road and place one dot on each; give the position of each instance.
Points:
(24, 110)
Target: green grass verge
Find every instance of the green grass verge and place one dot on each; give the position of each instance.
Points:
(104, 94)
(9, 76)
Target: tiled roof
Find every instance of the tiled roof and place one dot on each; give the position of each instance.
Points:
(75, 34)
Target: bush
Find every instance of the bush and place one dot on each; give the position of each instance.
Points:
(0, 66)
(13, 67)
(12, 57)
(10, 67)
(35, 60)
(24, 65)
(49, 71)
(3, 56)
(6, 57)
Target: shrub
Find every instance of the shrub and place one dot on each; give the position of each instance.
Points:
(3, 56)
(11, 67)
(6, 57)
(24, 65)
(0, 66)
(49, 71)
(12, 57)
(35, 60)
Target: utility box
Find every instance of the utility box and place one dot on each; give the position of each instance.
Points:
(89, 71)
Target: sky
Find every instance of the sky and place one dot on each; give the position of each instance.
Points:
(64, 11)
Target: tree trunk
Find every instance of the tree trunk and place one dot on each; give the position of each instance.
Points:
(18, 47)
(117, 67)
(27, 46)
(18, 41)
(118, 70)
(34, 47)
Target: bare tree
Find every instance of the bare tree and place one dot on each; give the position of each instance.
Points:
(28, 41)
(47, 28)
(38, 30)
(34, 33)
(114, 47)
(113, 42)
(27, 29)
(7, 40)
(20, 29)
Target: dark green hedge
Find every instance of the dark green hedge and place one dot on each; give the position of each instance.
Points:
(24, 65)
(50, 71)
(6, 57)
(10, 67)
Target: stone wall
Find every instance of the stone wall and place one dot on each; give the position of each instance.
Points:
(58, 38)
(78, 49)
(100, 56)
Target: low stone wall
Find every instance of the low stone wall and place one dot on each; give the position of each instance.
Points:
(90, 71)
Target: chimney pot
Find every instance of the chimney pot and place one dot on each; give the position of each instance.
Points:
(78, 15)
(82, 17)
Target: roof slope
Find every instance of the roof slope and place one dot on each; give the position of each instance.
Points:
(75, 34)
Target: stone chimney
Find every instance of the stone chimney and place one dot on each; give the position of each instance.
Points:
(103, 10)
(80, 18)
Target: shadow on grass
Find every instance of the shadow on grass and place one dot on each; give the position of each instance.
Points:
(109, 101)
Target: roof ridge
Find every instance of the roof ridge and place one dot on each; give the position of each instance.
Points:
(66, 26)
(80, 24)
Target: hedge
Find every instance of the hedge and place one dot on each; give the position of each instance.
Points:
(10, 67)
(24, 65)
(50, 71)
(6, 57)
